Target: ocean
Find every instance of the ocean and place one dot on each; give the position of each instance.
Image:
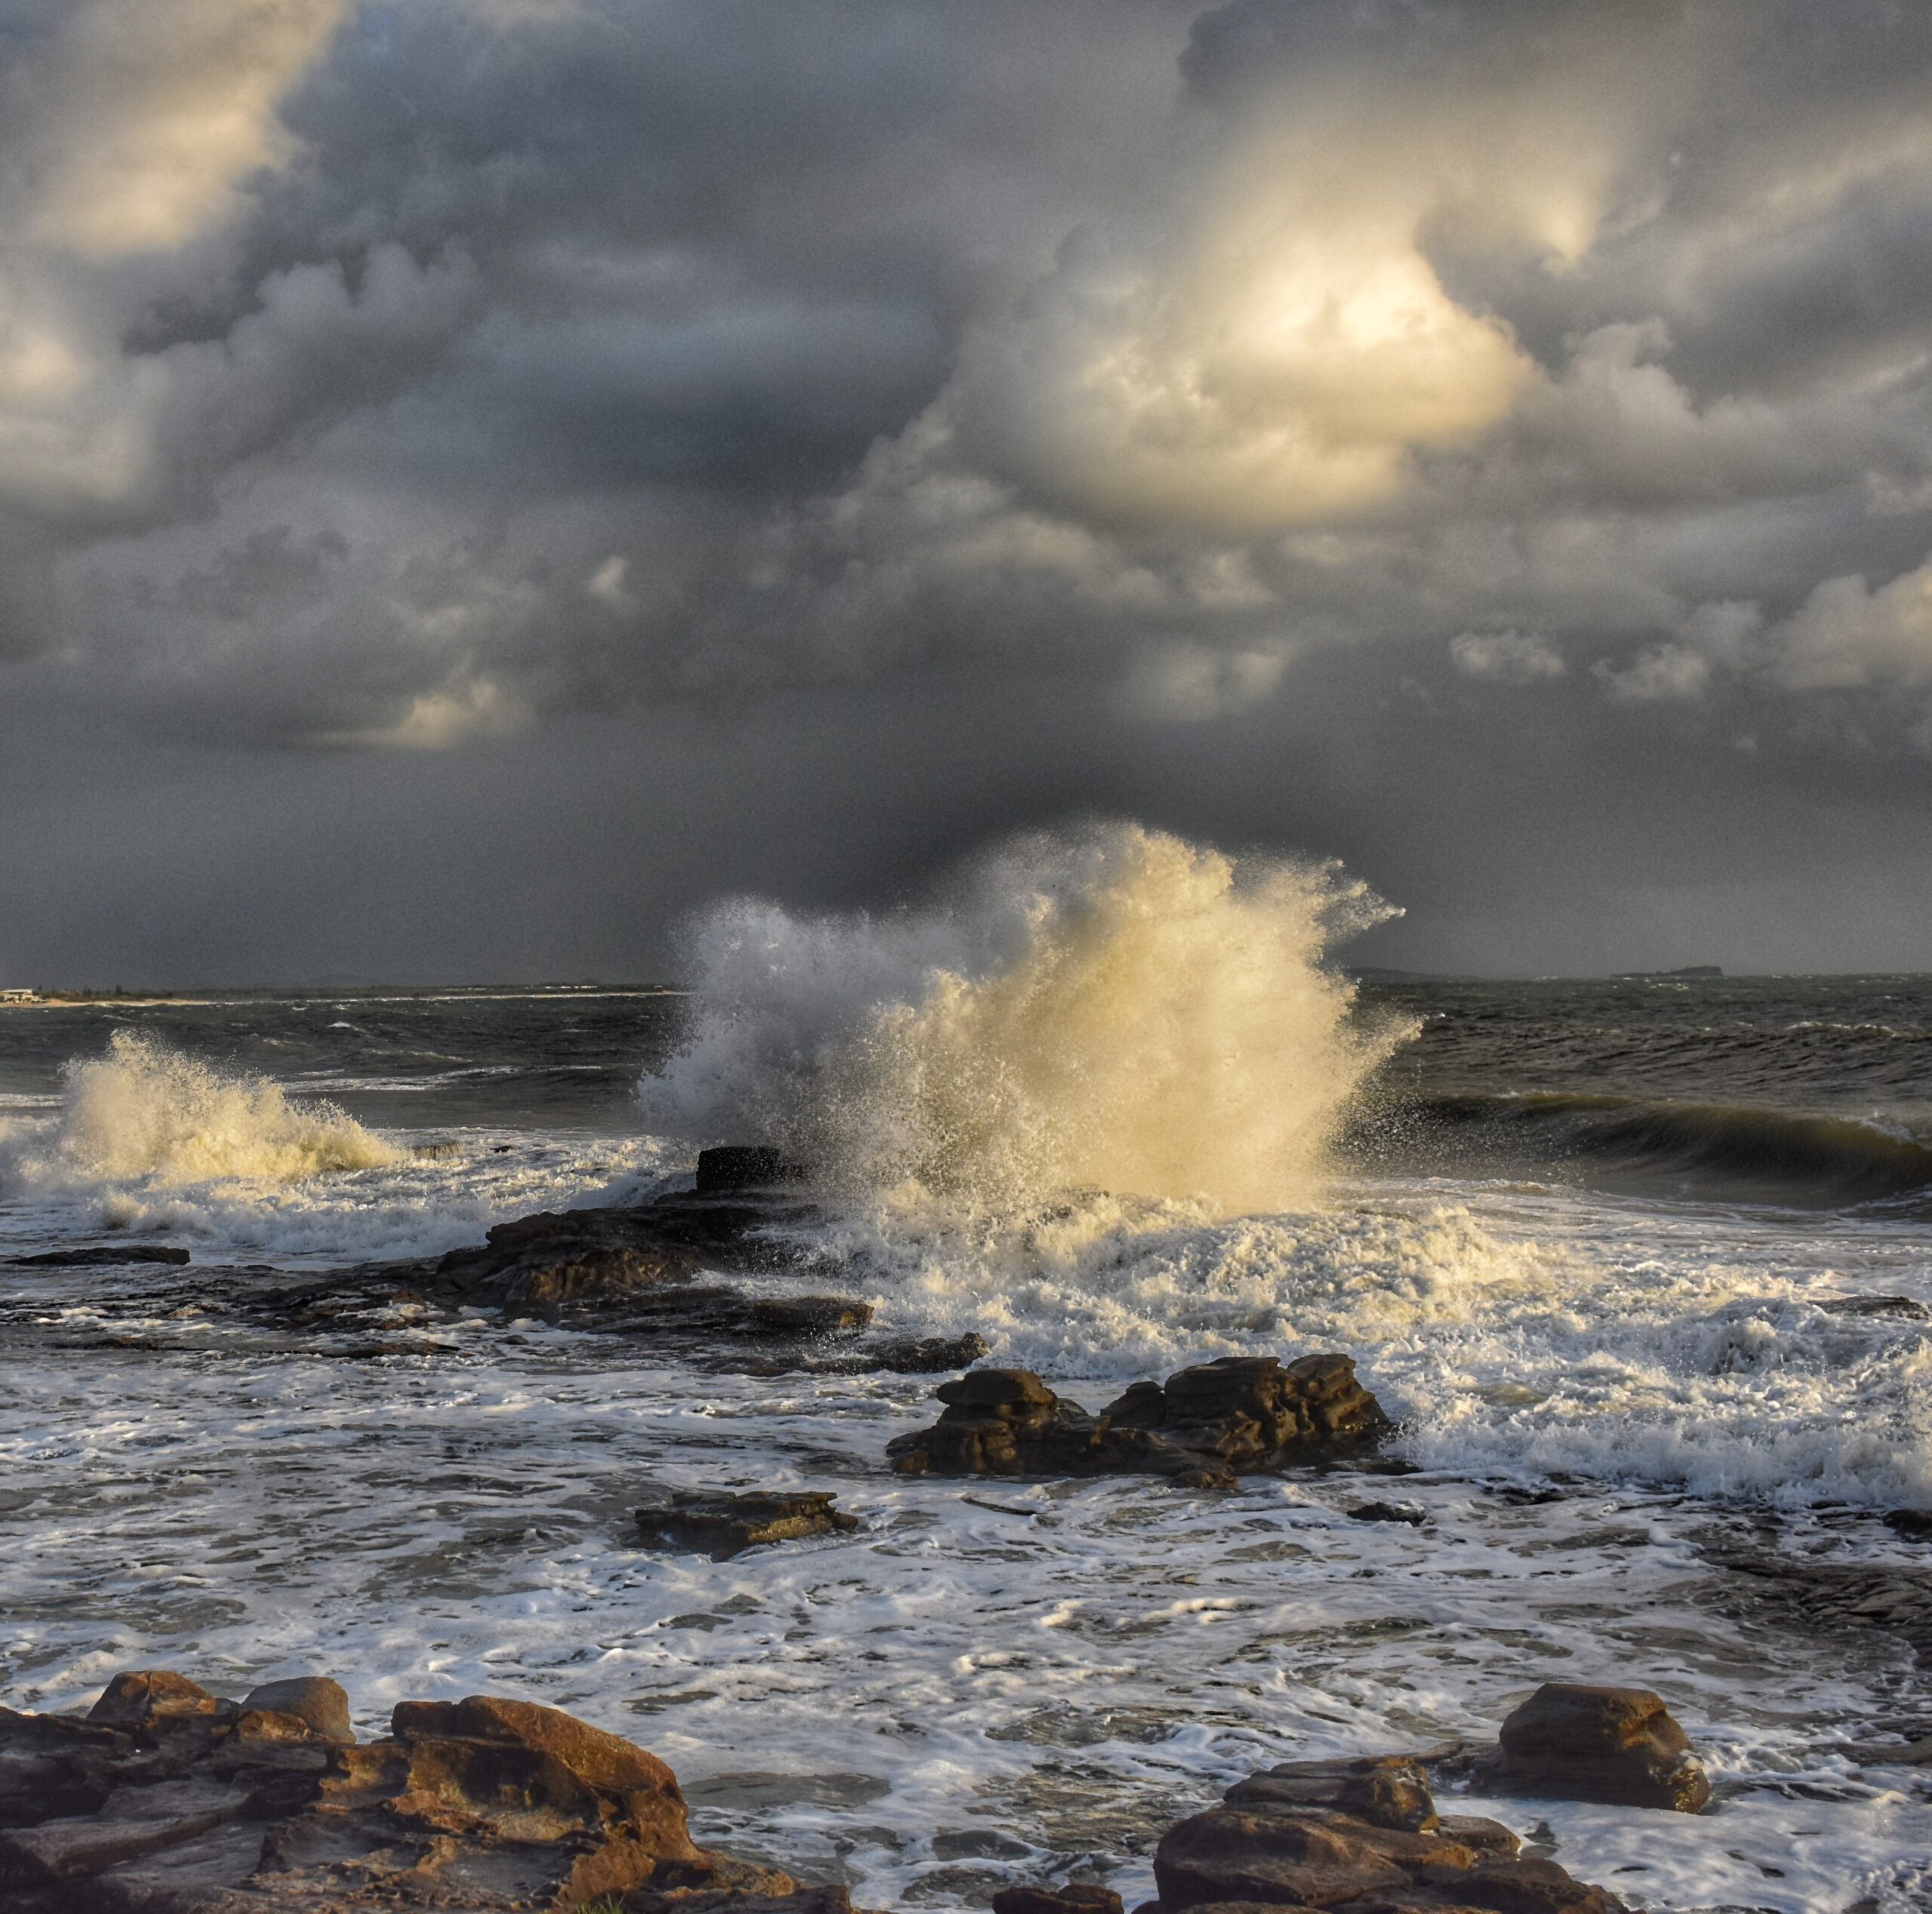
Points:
(1641, 1266)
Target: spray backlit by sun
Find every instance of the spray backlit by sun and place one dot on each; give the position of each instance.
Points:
(1111, 1008)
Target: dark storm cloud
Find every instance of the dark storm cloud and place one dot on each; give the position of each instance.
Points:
(413, 376)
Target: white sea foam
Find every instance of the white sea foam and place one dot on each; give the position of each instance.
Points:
(1510, 1333)
(1110, 1007)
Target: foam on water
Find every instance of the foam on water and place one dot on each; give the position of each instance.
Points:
(1112, 1007)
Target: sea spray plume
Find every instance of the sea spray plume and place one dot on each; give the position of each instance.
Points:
(1111, 1007)
(145, 1113)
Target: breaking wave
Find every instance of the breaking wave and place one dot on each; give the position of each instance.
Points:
(147, 1115)
(1722, 1149)
(1110, 1007)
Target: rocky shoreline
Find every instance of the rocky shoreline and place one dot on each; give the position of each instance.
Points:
(165, 1799)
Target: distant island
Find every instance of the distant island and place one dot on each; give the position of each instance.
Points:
(1688, 970)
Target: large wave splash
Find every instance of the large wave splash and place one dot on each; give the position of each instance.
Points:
(1110, 1007)
(146, 1114)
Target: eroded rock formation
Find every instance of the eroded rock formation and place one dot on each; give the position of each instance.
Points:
(1620, 1746)
(1238, 1414)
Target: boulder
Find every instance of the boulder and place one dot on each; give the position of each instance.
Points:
(1573, 1743)
(315, 1701)
(143, 1700)
(1362, 1834)
(1252, 1410)
(722, 1525)
(486, 1803)
(1239, 1413)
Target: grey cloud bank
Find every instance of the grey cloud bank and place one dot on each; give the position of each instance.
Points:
(479, 476)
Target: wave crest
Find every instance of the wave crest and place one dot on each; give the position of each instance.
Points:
(145, 1113)
(1110, 1007)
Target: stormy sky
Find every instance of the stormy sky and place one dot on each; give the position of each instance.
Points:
(480, 477)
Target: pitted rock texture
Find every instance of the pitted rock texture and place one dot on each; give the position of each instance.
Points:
(1363, 1836)
(721, 1525)
(1620, 1746)
(1238, 1414)
(166, 1800)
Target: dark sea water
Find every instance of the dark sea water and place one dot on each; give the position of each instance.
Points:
(1643, 1265)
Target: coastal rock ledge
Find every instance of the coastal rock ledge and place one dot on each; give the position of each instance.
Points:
(1239, 1414)
(167, 1799)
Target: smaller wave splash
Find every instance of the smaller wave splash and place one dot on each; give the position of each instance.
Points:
(147, 1115)
(1108, 1008)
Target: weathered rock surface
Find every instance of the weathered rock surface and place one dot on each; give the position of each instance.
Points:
(1239, 1413)
(654, 1271)
(722, 1525)
(1360, 1835)
(165, 1800)
(1574, 1743)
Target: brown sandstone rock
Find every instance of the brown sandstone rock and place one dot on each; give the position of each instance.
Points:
(1615, 1745)
(1074, 1898)
(171, 1803)
(315, 1701)
(1241, 1413)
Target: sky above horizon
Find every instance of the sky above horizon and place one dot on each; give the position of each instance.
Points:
(480, 478)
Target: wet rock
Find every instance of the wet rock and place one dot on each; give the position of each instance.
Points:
(318, 1703)
(143, 1700)
(739, 1166)
(1389, 1791)
(103, 1253)
(722, 1525)
(811, 1315)
(909, 1355)
(1876, 1306)
(482, 1804)
(1074, 1898)
(1914, 1524)
(1362, 1835)
(1251, 1411)
(1240, 1413)
(1619, 1745)
(1413, 1513)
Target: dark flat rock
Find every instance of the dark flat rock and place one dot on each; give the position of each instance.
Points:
(722, 1524)
(101, 1253)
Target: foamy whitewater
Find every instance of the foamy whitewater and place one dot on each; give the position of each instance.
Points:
(1641, 1263)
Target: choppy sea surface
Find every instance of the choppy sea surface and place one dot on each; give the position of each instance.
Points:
(1643, 1266)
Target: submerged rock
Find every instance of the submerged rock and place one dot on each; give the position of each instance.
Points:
(722, 1525)
(1239, 1413)
(165, 1800)
(1619, 1745)
(1362, 1834)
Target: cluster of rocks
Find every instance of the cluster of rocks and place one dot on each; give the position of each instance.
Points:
(657, 1271)
(1205, 1425)
(165, 1799)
